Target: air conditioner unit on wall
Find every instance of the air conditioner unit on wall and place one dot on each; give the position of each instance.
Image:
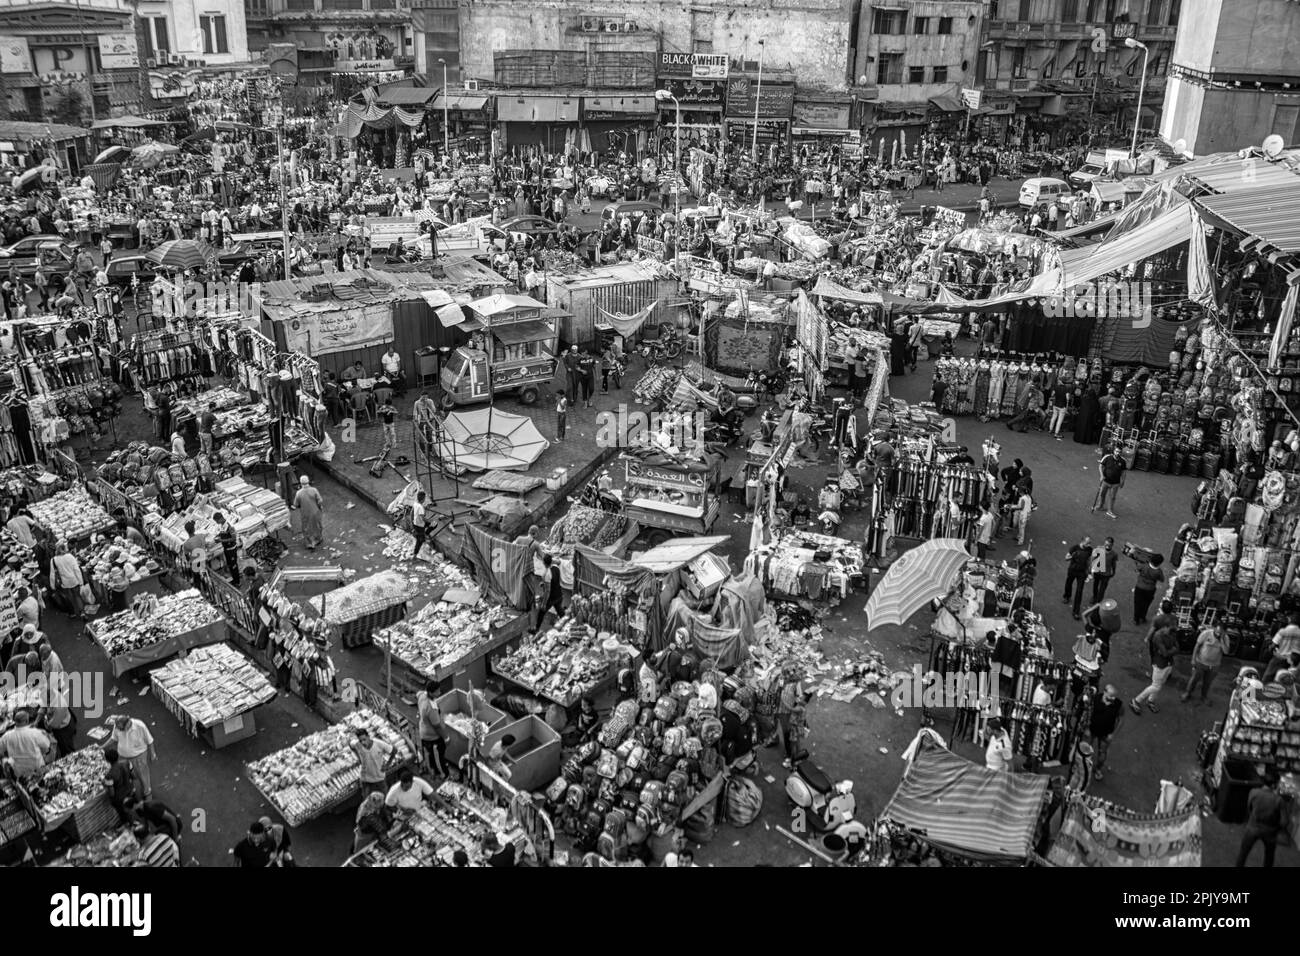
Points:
(591, 25)
(471, 86)
(175, 59)
(629, 26)
(150, 62)
(613, 26)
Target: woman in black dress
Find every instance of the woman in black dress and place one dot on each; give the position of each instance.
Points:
(897, 351)
(1087, 425)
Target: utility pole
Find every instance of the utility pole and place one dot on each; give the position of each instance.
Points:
(758, 97)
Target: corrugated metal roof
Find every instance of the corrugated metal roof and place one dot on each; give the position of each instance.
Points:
(461, 101)
(407, 96)
(1271, 213)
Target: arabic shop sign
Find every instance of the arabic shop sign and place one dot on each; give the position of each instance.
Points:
(776, 101)
(693, 94)
(701, 66)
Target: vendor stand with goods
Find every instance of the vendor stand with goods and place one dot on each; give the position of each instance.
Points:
(670, 491)
(1258, 741)
(155, 628)
(567, 662)
(321, 772)
(214, 692)
(71, 515)
(72, 793)
(356, 610)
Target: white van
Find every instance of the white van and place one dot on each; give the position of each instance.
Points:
(1042, 189)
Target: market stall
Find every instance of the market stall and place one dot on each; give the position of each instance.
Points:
(320, 772)
(71, 792)
(356, 610)
(71, 515)
(155, 628)
(1260, 736)
(979, 816)
(571, 660)
(800, 563)
(448, 641)
(214, 692)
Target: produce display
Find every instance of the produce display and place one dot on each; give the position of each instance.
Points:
(363, 596)
(69, 784)
(321, 770)
(657, 383)
(561, 665)
(440, 635)
(430, 836)
(70, 514)
(212, 684)
(152, 622)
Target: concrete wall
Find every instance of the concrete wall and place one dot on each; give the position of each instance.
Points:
(1213, 121)
(183, 25)
(808, 37)
(1244, 36)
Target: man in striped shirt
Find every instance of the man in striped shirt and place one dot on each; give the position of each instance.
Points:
(159, 850)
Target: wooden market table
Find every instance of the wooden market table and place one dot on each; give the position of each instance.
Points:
(173, 644)
(464, 672)
(224, 731)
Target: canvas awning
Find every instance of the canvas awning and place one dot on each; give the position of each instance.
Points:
(406, 96)
(504, 302)
(460, 101)
(1117, 251)
(1270, 214)
(537, 109)
(671, 555)
(125, 122)
(958, 806)
(522, 332)
(947, 103)
(1108, 191)
(833, 290)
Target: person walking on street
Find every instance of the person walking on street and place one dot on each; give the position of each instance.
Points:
(915, 333)
(1150, 576)
(310, 506)
(554, 591)
(790, 715)
(135, 745)
(587, 375)
(1263, 823)
(984, 533)
(1024, 508)
(207, 423)
(1103, 564)
(228, 539)
(1163, 645)
(561, 415)
(1110, 474)
(67, 579)
(1060, 403)
(1206, 658)
(1076, 570)
(419, 522)
(1107, 715)
(571, 373)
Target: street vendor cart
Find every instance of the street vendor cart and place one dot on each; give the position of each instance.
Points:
(511, 349)
(670, 497)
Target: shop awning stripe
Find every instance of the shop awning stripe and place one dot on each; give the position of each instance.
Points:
(1271, 214)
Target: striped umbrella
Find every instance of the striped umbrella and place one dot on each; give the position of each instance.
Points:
(182, 254)
(914, 580)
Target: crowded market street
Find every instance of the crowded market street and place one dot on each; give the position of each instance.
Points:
(380, 489)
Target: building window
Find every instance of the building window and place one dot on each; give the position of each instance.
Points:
(993, 9)
(1174, 9)
(1070, 11)
(257, 8)
(1153, 11)
(889, 21)
(945, 25)
(1018, 63)
(890, 69)
(940, 74)
(916, 74)
(1025, 6)
(156, 43)
(1081, 67)
(213, 28)
(1049, 68)
(920, 24)
(1160, 66)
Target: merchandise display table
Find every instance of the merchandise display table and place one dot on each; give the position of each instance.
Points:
(159, 629)
(213, 692)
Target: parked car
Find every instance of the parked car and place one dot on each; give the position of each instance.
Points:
(122, 267)
(639, 207)
(56, 258)
(27, 245)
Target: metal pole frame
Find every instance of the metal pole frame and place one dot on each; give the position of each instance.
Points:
(758, 98)
(1137, 115)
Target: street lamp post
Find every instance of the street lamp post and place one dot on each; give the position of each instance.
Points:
(758, 96)
(662, 95)
(1133, 44)
(446, 136)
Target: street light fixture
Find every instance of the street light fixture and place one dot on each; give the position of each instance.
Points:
(663, 96)
(758, 96)
(446, 141)
(1133, 44)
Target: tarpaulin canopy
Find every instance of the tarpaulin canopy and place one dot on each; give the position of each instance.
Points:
(126, 122)
(469, 102)
(726, 645)
(375, 116)
(594, 571)
(961, 807)
(1124, 838)
(833, 290)
(671, 555)
(947, 103)
(1119, 250)
(627, 325)
(501, 568)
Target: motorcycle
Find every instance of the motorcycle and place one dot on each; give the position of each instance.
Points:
(659, 351)
(826, 805)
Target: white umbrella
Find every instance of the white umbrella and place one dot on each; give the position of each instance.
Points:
(914, 580)
(880, 153)
(902, 143)
(485, 439)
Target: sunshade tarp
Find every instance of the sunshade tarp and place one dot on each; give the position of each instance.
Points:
(833, 290)
(961, 807)
(501, 567)
(1127, 839)
(671, 555)
(726, 645)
